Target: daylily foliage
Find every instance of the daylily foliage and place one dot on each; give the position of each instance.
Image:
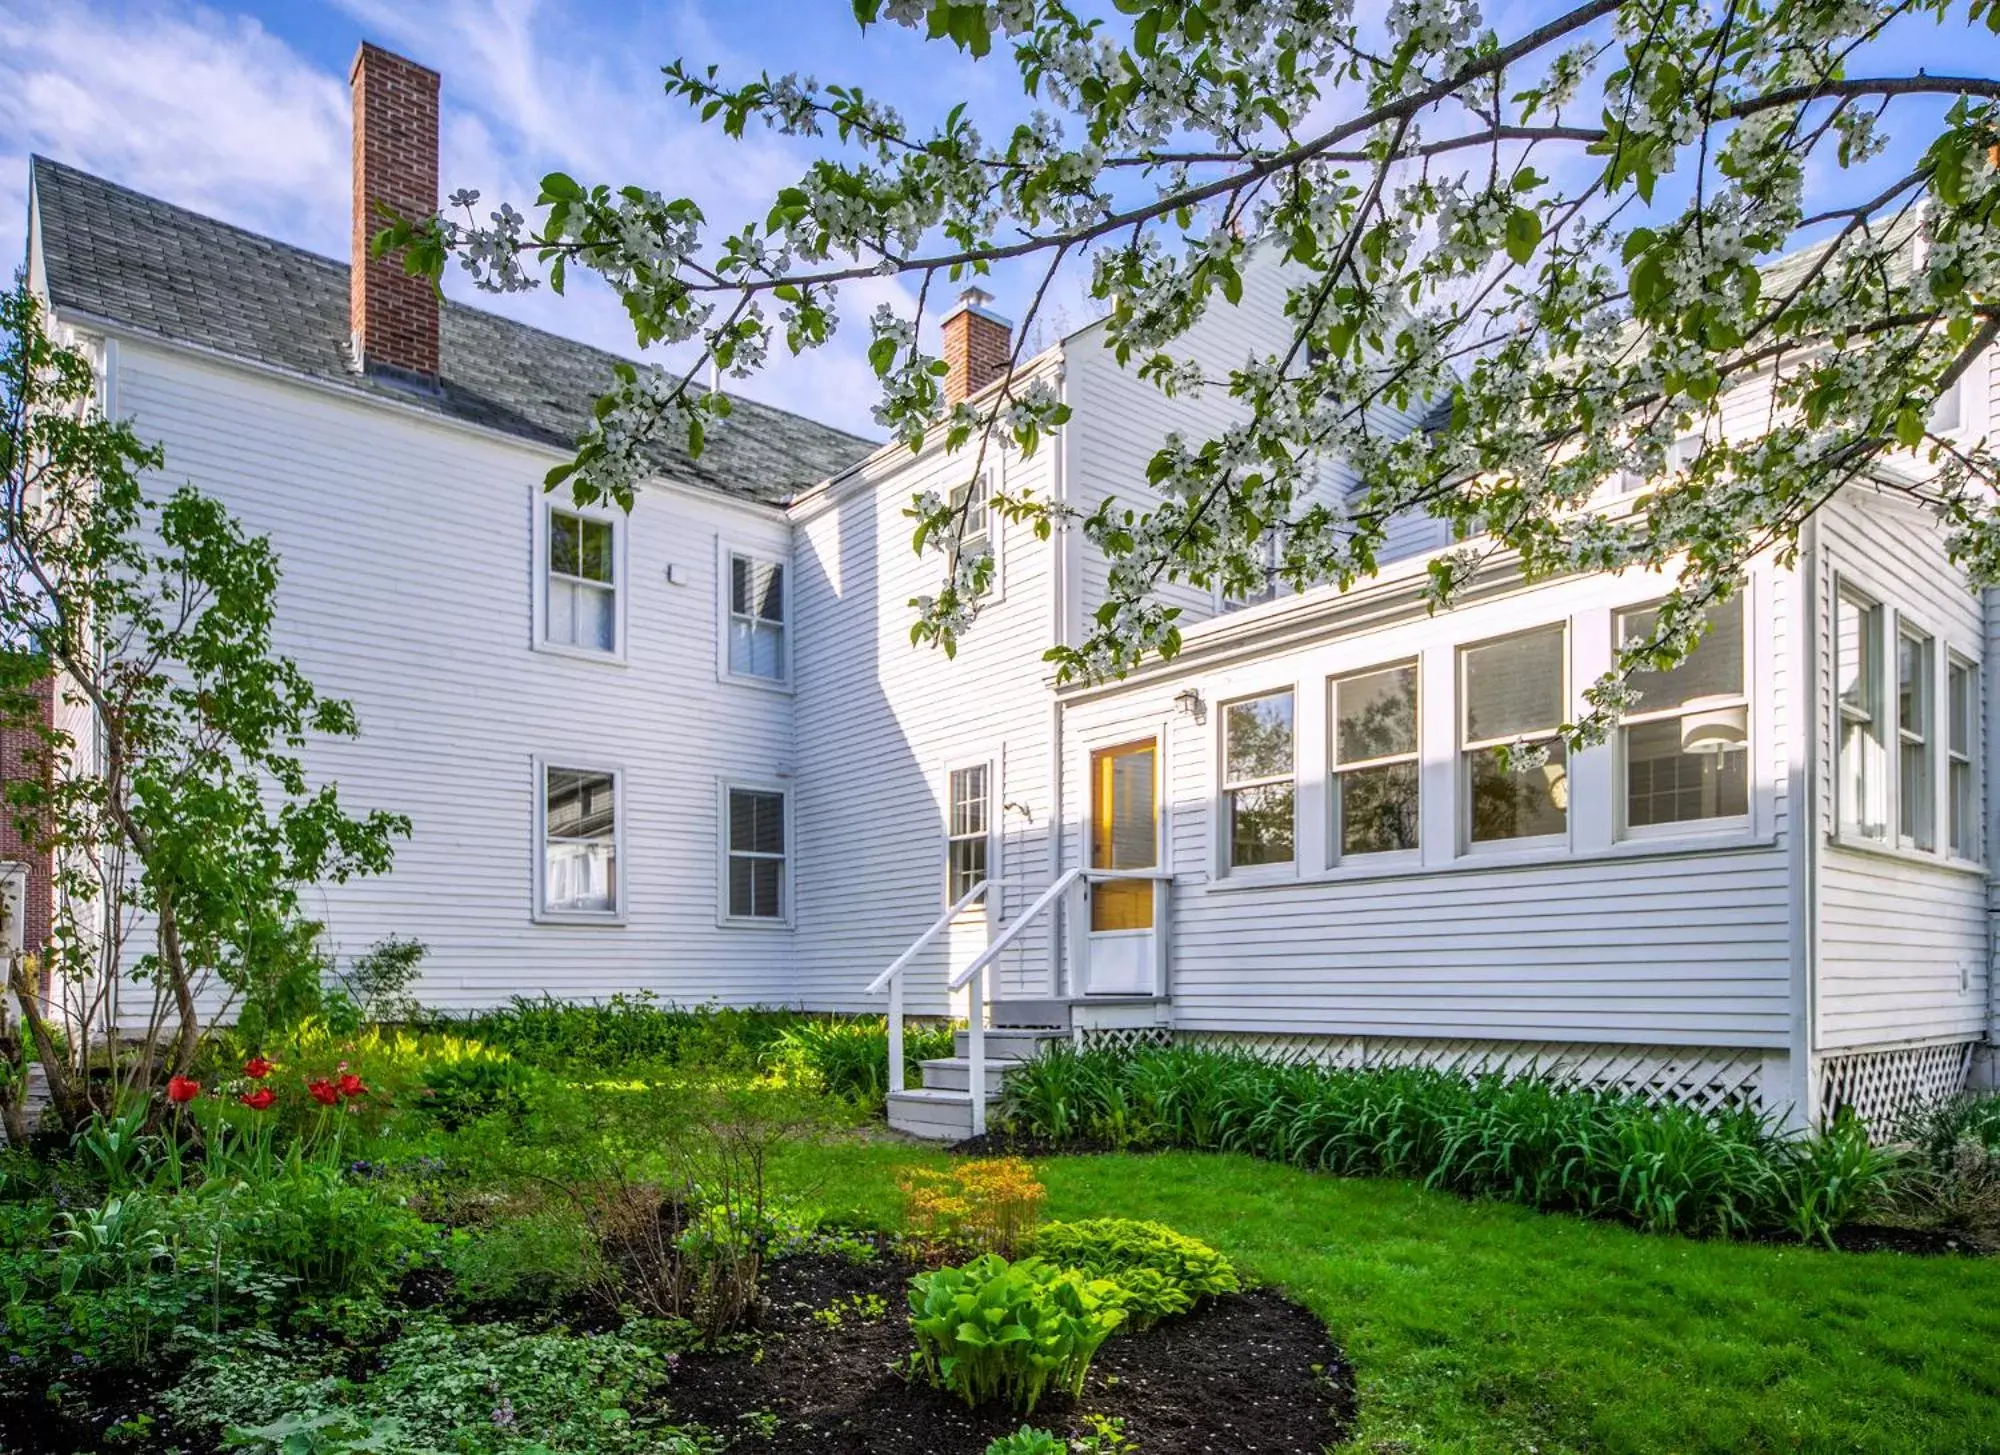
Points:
(1554, 245)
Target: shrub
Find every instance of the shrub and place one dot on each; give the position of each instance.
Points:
(849, 1057)
(311, 1224)
(1027, 1441)
(461, 1091)
(627, 1030)
(1526, 1138)
(990, 1203)
(1010, 1331)
(1162, 1272)
(536, 1260)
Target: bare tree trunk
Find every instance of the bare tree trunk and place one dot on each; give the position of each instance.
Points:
(13, 1079)
(64, 1092)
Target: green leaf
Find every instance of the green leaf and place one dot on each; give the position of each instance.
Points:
(1524, 233)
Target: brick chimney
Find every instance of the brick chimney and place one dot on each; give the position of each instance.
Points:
(977, 344)
(394, 317)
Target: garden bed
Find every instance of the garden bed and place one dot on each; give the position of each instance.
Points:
(1247, 1373)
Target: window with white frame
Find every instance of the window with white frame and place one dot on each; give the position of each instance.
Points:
(1512, 693)
(966, 830)
(1375, 763)
(1948, 412)
(975, 497)
(1857, 659)
(580, 602)
(756, 617)
(1268, 552)
(755, 854)
(1257, 786)
(1686, 743)
(580, 833)
(1961, 780)
(1915, 781)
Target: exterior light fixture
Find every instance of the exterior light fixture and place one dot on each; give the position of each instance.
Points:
(1188, 703)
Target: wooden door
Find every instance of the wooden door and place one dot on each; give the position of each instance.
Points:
(1124, 833)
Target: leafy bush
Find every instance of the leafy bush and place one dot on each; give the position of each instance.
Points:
(1525, 1138)
(331, 1236)
(1027, 1441)
(849, 1057)
(990, 1203)
(537, 1260)
(627, 1030)
(1010, 1331)
(1162, 1272)
(463, 1090)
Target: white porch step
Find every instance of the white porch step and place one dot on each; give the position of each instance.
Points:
(954, 1073)
(932, 1114)
(1007, 1045)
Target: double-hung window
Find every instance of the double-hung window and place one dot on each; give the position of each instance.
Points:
(966, 830)
(580, 832)
(754, 854)
(1257, 779)
(1961, 780)
(974, 497)
(757, 618)
(1686, 743)
(1375, 767)
(580, 600)
(1857, 656)
(1915, 782)
(1512, 693)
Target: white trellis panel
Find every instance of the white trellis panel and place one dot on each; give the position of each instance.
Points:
(1882, 1086)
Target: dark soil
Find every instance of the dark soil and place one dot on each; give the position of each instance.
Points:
(1919, 1242)
(1249, 1374)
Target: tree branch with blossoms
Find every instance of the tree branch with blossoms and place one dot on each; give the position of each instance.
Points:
(1518, 266)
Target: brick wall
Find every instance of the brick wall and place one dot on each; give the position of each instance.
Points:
(18, 747)
(977, 346)
(394, 316)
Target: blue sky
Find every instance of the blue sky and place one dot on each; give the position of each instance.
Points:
(241, 111)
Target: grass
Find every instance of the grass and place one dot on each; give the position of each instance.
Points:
(1486, 1327)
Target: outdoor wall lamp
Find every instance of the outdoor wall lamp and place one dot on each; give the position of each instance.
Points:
(1188, 703)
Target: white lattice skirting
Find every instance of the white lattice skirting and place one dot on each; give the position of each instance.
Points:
(1883, 1086)
(1703, 1077)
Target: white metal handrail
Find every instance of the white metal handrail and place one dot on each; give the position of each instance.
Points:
(965, 901)
(1012, 932)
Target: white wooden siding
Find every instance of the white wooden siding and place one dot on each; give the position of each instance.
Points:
(1902, 937)
(1610, 942)
(883, 720)
(407, 587)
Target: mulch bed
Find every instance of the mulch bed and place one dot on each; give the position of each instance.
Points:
(1249, 1374)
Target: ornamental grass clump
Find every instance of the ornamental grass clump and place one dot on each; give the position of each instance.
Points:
(1162, 1273)
(848, 1056)
(995, 1330)
(1526, 1137)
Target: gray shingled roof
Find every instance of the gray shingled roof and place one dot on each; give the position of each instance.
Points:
(133, 260)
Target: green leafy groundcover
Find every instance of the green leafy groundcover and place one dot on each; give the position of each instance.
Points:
(1524, 1138)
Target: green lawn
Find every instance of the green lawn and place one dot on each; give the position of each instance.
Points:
(1486, 1327)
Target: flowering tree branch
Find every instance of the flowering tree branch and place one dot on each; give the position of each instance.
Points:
(1556, 251)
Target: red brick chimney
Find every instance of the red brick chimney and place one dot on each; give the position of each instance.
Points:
(977, 344)
(394, 317)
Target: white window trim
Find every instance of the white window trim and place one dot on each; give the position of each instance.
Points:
(1530, 844)
(541, 913)
(545, 505)
(787, 888)
(1335, 769)
(1848, 826)
(1975, 823)
(1733, 825)
(724, 550)
(1908, 629)
(1223, 818)
(991, 763)
(996, 532)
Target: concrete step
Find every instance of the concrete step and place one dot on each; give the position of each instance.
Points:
(934, 1115)
(1008, 1044)
(954, 1073)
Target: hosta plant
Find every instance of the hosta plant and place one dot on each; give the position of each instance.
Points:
(1160, 1271)
(995, 1330)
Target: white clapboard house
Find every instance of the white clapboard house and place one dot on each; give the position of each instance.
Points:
(692, 751)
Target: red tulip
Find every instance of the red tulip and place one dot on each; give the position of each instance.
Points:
(181, 1089)
(350, 1085)
(323, 1091)
(260, 1099)
(256, 1068)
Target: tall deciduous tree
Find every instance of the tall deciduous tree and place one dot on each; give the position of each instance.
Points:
(169, 791)
(1564, 245)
